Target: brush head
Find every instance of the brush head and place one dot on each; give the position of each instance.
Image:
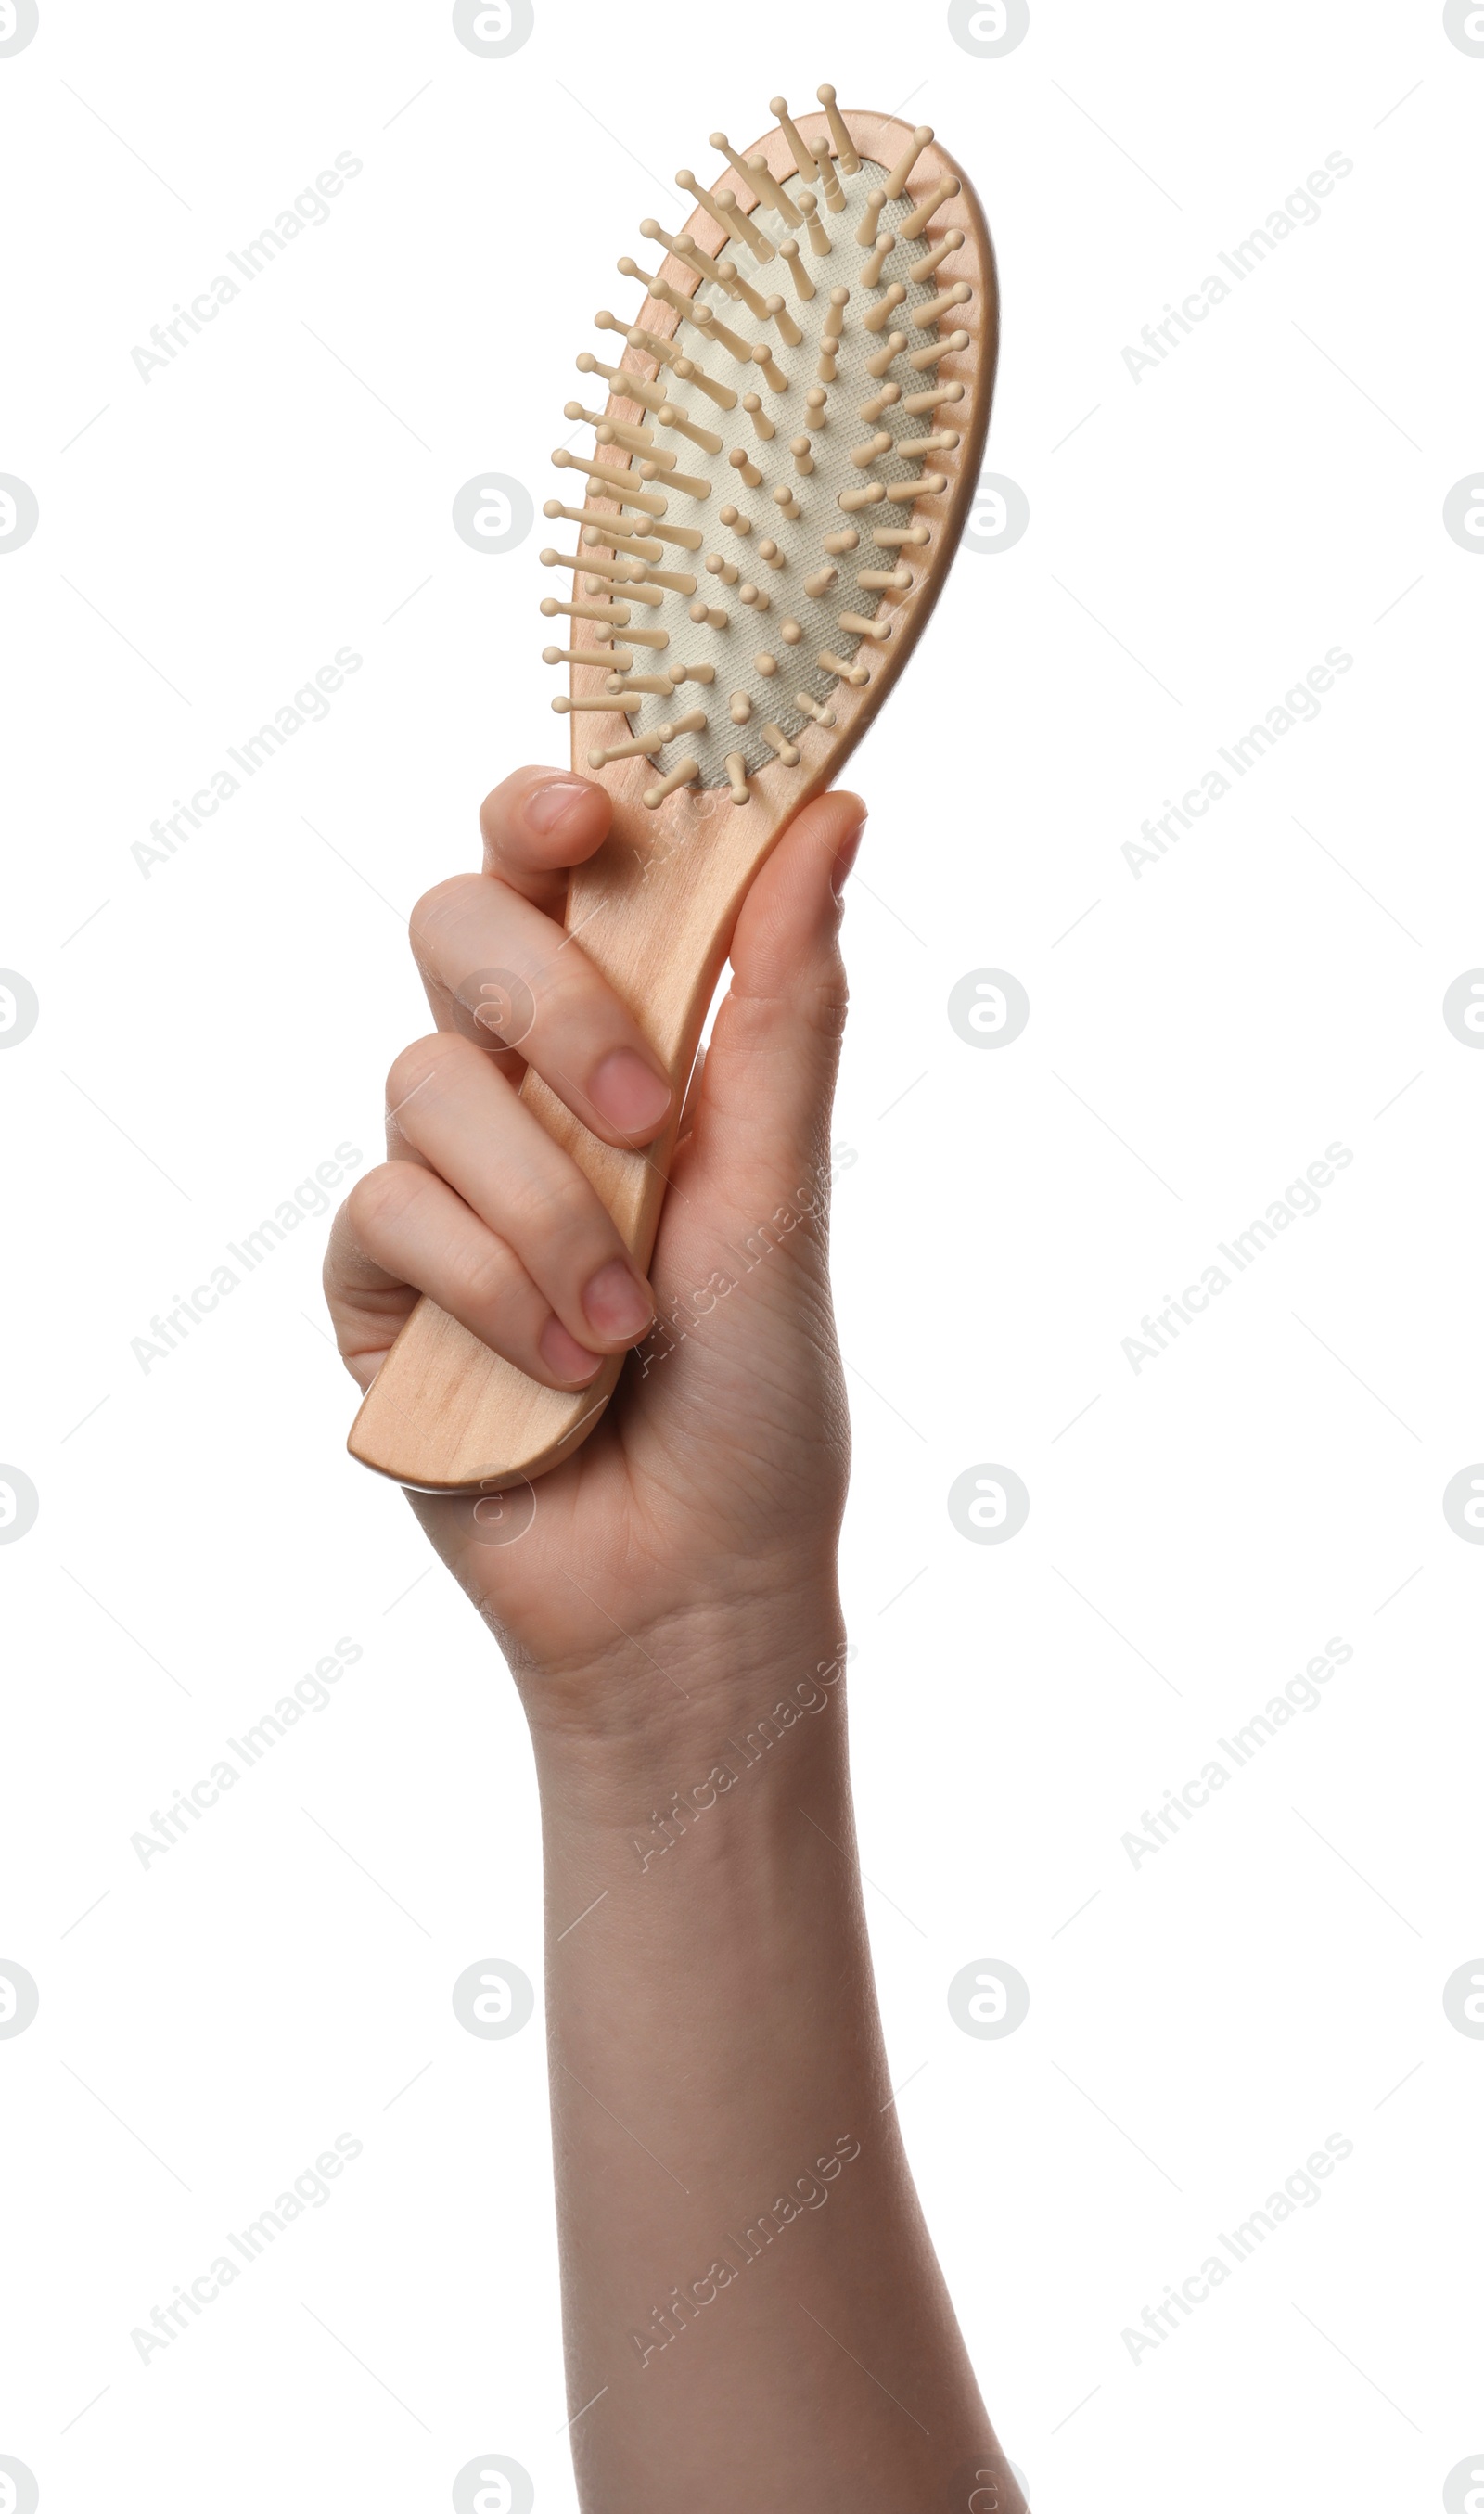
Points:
(776, 484)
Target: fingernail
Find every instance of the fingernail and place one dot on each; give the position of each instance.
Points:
(549, 805)
(562, 1353)
(845, 856)
(628, 1093)
(615, 1305)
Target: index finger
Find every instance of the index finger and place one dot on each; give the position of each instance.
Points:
(536, 824)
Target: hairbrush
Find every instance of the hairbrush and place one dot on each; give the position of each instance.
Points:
(778, 479)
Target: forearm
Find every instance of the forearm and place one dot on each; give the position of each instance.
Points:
(739, 2226)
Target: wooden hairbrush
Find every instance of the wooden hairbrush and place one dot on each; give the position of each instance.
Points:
(778, 481)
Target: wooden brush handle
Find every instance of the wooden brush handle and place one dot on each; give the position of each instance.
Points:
(444, 1412)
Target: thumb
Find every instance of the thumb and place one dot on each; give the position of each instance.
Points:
(762, 1129)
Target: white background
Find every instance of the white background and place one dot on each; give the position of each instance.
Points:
(1198, 1035)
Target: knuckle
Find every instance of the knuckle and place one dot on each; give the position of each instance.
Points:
(558, 1211)
(381, 1200)
(571, 987)
(487, 1278)
(436, 921)
(439, 908)
(422, 1062)
(827, 1002)
(815, 997)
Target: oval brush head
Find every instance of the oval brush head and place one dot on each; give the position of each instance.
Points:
(770, 485)
(759, 518)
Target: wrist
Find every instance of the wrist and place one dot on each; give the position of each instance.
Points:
(701, 1692)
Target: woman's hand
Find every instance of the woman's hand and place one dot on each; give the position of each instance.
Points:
(713, 1486)
(671, 1617)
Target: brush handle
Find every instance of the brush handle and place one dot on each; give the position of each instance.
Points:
(655, 911)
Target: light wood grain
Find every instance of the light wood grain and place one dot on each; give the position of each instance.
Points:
(657, 903)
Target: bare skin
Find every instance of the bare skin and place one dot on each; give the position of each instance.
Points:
(721, 2099)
